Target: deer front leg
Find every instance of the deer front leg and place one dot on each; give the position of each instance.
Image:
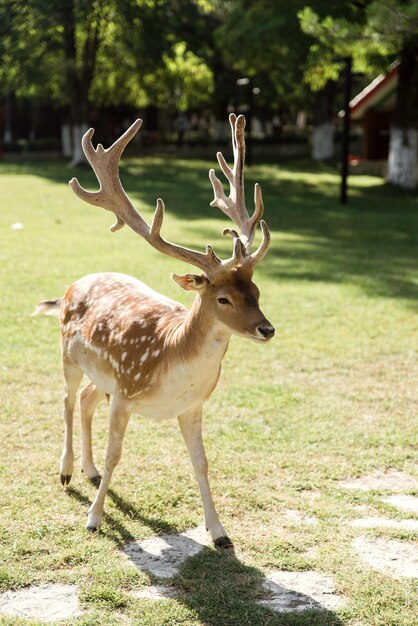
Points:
(191, 428)
(119, 417)
(73, 376)
(90, 397)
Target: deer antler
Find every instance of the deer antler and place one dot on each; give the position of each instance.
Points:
(234, 205)
(112, 197)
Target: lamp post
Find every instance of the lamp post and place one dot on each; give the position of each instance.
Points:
(346, 125)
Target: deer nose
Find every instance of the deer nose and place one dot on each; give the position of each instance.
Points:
(267, 330)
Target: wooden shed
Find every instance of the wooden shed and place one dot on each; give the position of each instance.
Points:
(373, 108)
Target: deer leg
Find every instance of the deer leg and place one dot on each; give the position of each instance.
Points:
(72, 376)
(191, 428)
(90, 397)
(119, 418)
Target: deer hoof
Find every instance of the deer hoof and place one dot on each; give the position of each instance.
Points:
(92, 529)
(65, 479)
(224, 543)
(95, 480)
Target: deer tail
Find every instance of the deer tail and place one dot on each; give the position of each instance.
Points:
(48, 307)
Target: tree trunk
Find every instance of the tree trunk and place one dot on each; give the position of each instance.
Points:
(402, 161)
(66, 140)
(8, 131)
(78, 131)
(323, 132)
(79, 78)
(323, 142)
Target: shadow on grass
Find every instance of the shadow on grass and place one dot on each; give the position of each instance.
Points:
(372, 242)
(223, 591)
(117, 531)
(214, 584)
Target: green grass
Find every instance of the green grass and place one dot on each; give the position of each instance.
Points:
(333, 396)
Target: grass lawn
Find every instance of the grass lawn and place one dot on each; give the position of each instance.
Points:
(332, 397)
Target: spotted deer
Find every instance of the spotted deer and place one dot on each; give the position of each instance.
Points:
(150, 354)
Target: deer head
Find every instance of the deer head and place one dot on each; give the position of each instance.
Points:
(225, 287)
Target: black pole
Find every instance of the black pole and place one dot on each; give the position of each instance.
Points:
(346, 129)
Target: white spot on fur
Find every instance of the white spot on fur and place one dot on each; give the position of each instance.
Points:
(143, 338)
(137, 376)
(94, 348)
(124, 355)
(156, 353)
(143, 357)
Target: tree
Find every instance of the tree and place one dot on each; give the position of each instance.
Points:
(50, 53)
(263, 39)
(83, 54)
(384, 31)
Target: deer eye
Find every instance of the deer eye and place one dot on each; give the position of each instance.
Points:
(223, 301)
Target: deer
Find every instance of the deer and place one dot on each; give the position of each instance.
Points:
(148, 354)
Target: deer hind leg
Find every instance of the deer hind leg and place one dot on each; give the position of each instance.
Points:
(119, 418)
(72, 375)
(90, 397)
(191, 428)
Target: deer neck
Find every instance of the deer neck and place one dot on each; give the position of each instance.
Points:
(200, 334)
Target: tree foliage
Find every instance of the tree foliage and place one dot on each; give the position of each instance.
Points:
(182, 54)
(372, 33)
(77, 53)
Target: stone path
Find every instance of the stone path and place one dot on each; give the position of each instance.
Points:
(47, 603)
(390, 556)
(162, 556)
(406, 503)
(155, 593)
(392, 481)
(298, 591)
(383, 522)
(288, 591)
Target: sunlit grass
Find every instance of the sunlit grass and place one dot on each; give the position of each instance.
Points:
(334, 395)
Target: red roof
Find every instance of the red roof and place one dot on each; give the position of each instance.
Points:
(378, 91)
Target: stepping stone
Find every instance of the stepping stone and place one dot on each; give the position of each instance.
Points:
(155, 592)
(163, 555)
(46, 603)
(297, 517)
(383, 522)
(404, 502)
(392, 481)
(299, 591)
(390, 556)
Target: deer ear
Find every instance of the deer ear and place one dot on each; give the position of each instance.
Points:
(190, 282)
